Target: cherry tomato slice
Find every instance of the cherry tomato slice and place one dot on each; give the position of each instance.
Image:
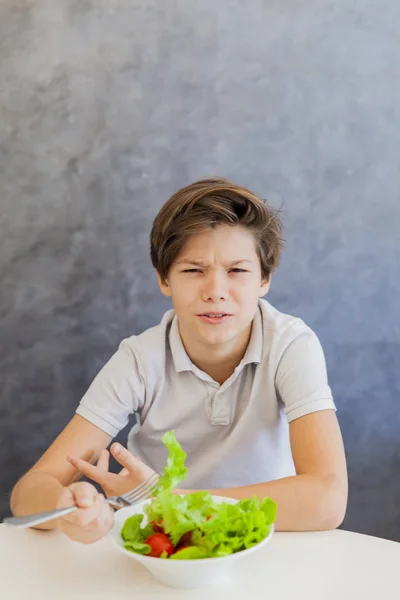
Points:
(159, 543)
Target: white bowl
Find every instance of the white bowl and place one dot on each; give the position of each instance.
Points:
(182, 573)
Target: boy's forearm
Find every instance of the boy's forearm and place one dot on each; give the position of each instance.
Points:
(305, 502)
(36, 492)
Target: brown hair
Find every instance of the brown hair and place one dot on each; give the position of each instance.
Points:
(206, 204)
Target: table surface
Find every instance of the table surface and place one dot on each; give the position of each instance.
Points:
(38, 565)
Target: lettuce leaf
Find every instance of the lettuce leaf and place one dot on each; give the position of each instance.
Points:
(181, 514)
(134, 535)
(191, 552)
(175, 470)
(236, 527)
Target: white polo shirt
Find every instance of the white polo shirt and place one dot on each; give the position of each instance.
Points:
(234, 434)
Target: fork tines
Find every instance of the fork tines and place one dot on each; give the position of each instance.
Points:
(142, 491)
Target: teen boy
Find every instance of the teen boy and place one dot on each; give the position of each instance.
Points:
(243, 386)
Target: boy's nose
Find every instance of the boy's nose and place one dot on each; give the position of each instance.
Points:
(216, 288)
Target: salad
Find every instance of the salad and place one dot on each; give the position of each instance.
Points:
(194, 526)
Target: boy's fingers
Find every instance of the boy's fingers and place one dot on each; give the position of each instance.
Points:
(80, 494)
(134, 467)
(86, 524)
(126, 459)
(104, 461)
(86, 498)
(82, 518)
(105, 518)
(84, 495)
(66, 499)
(87, 469)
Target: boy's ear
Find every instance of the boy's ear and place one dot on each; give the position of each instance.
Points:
(164, 286)
(265, 283)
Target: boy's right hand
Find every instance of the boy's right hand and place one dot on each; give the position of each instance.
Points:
(93, 519)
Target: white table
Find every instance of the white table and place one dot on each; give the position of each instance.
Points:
(335, 565)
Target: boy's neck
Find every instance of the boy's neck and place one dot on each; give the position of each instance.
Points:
(218, 362)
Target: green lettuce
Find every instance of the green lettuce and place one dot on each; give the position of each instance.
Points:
(218, 529)
(236, 527)
(175, 470)
(181, 514)
(134, 535)
(189, 553)
(195, 521)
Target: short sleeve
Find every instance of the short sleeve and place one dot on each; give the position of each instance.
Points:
(301, 378)
(116, 392)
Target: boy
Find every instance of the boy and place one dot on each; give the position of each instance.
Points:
(243, 386)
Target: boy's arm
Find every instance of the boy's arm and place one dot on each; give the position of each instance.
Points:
(40, 488)
(315, 498)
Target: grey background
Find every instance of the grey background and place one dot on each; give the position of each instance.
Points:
(108, 107)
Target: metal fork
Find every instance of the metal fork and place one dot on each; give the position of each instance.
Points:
(141, 492)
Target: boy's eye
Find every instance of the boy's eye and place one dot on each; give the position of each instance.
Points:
(235, 270)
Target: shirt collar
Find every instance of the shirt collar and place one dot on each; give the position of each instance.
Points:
(254, 348)
(181, 360)
(253, 352)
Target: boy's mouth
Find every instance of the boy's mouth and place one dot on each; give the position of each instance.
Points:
(214, 317)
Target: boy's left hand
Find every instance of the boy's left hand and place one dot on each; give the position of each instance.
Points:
(134, 471)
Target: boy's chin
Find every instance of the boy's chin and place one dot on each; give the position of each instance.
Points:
(217, 337)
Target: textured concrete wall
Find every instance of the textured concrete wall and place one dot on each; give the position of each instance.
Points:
(109, 107)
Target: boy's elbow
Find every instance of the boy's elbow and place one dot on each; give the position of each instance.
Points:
(14, 497)
(334, 519)
(335, 503)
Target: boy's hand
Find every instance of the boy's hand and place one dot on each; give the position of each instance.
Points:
(93, 519)
(134, 471)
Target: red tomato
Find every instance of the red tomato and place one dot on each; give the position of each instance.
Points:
(157, 526)
(159, 543)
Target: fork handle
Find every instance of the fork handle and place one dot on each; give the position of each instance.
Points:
(38, 518)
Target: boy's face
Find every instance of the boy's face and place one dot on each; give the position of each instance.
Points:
(215, 284)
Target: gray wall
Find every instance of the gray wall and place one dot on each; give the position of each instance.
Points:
(108, 107)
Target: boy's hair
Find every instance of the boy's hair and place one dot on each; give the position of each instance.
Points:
(204, 205)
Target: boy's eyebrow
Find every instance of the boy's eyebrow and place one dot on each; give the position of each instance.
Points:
(199, 263)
